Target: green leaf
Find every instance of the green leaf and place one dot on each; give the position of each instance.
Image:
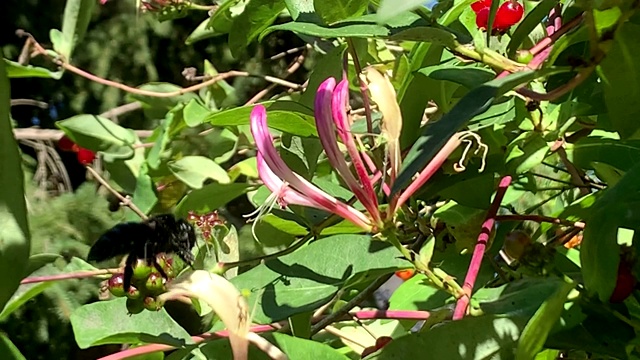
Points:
(469, 77)
(389, 9)
(163, 136)
(8, 349)
(210, 197)
(222, 19)
(157, 107)
(535, 333)
(194, 170)
(329, 66)
(144, 196)
(619, 207)
(195, 113)
(27, 292)
(484, 337)
(99, 134)
(257, 16)
(107, 322)
(525, 152)
(530, 22)
(621, 154)
(14, 232)
(15, 70)
(77, 14)
(407, 26)
(306, 279)
(412, 107)
(620, 74)
(300, 7)
(202, 32)
(436, 134)
(287, 116)
(334, 11)
(295, 348)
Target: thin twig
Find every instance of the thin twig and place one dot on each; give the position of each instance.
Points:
(125, 201)
(576, 176)
(29, 102)
(291, 51)
(344, 310)
(295, 65)
(478, 251)
(540, 218)
(363, 86)
(68, 276)
(55, 135)
(222, 76)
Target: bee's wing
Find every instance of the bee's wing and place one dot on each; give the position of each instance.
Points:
(120, 240)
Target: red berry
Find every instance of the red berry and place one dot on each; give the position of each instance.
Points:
(509, 14)
(405, 274)
(65, 144)
(382, 341)
(624, 284)
(85, 156)
(482, 18)
(479, 5)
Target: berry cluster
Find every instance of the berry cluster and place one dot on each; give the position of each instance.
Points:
(206, 223)
(508, 14)
(147, 283)
(85, 156)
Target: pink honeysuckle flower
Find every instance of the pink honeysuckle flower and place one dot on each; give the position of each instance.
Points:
(331, 118)
(291, 187)
(331, 115)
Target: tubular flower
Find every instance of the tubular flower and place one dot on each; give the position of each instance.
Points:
(332, 123)
(290, 187)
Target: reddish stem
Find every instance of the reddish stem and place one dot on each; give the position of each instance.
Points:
(361, 315)
(67, 276)
(478, 252)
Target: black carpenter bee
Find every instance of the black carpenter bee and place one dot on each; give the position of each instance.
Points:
(145, 240)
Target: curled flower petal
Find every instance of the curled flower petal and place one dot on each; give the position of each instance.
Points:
(428, 171)
(326, 132)
(339, 103)
(383, 94)
(314, 195)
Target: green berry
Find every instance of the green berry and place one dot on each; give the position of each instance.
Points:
(116, 285)
(524, 56)
(141, 270)
(151, 304)
(133, 293)
(171, 265)
(155, 283)
(135, 306)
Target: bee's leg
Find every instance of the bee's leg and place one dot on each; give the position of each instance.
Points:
(128, 271)
(159, 268)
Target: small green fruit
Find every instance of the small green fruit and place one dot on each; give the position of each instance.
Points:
(135, 306)
(155, 283)
(141, 270)
(524, 56)
(151, 304)
(133, 293)
(116, 285)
